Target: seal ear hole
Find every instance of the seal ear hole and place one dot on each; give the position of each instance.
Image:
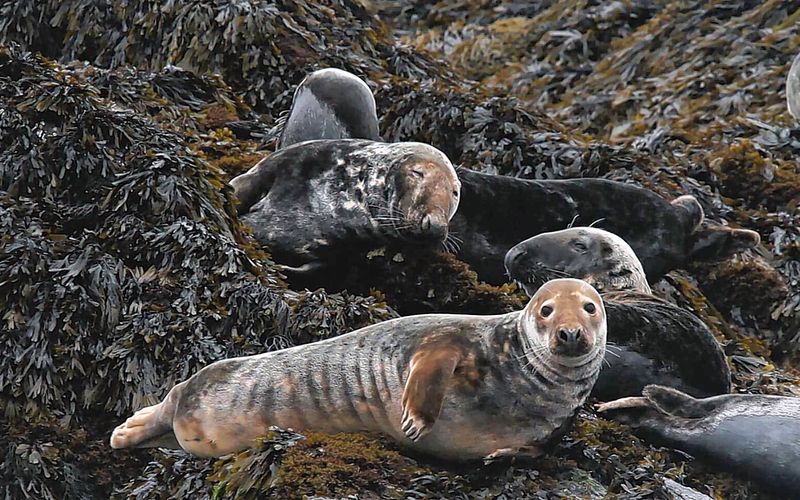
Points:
(590, 308)
(546, 311)
(418, 173)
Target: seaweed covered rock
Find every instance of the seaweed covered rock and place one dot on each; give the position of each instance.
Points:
(124, 267)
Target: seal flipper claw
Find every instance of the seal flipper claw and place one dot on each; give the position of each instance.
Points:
(522, 452)
(430, 371)
(618, 404)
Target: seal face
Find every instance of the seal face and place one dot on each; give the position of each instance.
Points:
(316, 199)
(431, 382)
(752, 435)
(594, 255)
(331, 104)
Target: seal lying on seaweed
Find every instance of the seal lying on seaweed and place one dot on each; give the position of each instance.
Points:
(650, 340)
(497, 212)
(752, 435)
(431, 382)
(317, 200)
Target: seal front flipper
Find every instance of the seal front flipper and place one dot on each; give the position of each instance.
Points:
(431, 368)
(521, 452)
(712, 242)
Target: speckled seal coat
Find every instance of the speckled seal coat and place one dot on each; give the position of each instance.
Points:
(316, 198)
(751, 435)
(456, 387)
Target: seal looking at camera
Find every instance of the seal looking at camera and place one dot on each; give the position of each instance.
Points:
(431, 382)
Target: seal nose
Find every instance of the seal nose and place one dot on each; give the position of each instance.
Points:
(514, 257)
(434, 227)
(569, 335)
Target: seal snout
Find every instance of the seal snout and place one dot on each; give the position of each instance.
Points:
(569, 335)
(434, 227)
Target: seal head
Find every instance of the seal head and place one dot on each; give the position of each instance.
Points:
(594, 255)
(565, 323)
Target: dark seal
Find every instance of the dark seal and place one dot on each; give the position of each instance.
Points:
(650, 340)
(330, 104)
(602, 259)
(317, 200)
(497, 212)
(753, 436)
(431, 382)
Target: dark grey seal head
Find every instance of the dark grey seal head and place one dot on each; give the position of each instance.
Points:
(331, 104)
(751, 435)
(601, 258)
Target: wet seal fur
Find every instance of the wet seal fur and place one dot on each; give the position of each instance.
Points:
(455, 387)
(650, 340)
(497, 212)
(332, 104)
(600, 258)
(317, 200)
(751, 435)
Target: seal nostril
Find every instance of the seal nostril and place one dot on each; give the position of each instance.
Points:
(426, 223)
(569, 335)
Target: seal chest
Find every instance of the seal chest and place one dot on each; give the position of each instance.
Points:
(432, 382)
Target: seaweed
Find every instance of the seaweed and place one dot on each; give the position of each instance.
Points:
(124, 268)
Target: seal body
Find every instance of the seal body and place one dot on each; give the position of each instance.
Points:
(599, 257)
(753, 436)
(456, 387)
(497, 212)
(330, 104)
(651, 341)
(314, 200)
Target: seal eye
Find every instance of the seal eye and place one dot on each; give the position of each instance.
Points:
(546, 311)
(455, 193)
(589, 308)
(580, 246)
(418, 173)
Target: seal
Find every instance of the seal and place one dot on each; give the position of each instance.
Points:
(751, 435)
(793, 89)
(599, 257)
(314, 201)
(497, 212)
(650, 340)
(344, 103)
(434, 383)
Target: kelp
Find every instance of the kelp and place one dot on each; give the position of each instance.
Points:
(124, 268)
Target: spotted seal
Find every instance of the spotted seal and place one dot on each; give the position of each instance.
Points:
(751, 435)
(432, 382)
(497, 212)
(650, 340)
(316, 200)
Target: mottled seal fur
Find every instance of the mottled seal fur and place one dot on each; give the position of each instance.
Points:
(753, 436)
(317, 200)
(330, 104)
(650, 340)
(601, 258)
(497, 212)
(451, 386)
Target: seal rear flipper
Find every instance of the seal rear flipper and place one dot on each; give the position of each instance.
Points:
(674, 402)
(430, 371)
(715, 242)
(152, 424)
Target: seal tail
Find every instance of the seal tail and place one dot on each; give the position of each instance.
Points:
(149, 427)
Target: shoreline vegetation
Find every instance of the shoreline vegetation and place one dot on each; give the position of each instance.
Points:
(124, 268)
